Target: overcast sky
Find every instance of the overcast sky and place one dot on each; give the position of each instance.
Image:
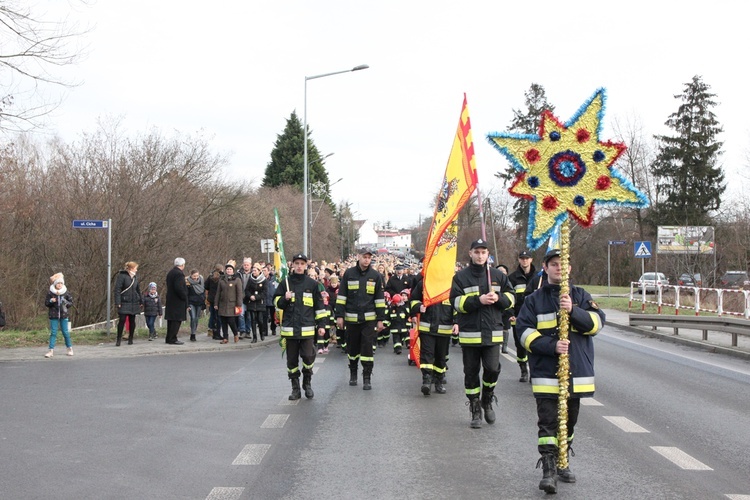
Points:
(236, 69)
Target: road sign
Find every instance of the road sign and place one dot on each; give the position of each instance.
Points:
(91, 224)
(267, 246)
(617, 242)
(642, 249)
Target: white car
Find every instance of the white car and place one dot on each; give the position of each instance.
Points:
(651, 281)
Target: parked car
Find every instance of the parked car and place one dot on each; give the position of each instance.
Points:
(735, 279)
(687, 279)
(651, 281)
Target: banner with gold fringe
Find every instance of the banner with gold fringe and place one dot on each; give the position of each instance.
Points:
(459, 182)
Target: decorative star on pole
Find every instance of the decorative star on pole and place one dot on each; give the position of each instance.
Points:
(565, 169)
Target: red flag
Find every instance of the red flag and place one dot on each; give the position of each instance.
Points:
(459, 183)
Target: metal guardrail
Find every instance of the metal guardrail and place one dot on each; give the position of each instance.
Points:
(733, 326)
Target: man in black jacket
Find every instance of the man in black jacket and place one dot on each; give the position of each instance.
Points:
(176, 302)
(520, 279)
(360, 305)
(480, 294)
(303, 310)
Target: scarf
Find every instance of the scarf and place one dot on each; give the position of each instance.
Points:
(61, 291)
(259, 279)
(197, 284)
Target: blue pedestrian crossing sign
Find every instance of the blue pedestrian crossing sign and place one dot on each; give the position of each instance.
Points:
(642, 249)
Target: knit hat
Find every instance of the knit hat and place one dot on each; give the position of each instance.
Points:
(57, 278)
(152, 285)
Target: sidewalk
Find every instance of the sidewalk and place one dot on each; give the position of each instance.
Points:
(140, 347)
(718, 343)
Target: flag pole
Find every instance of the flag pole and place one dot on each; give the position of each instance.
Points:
(484, 236)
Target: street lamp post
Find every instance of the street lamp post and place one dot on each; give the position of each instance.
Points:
(305, 216)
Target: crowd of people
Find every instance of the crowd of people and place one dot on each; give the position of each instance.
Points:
(361, 303)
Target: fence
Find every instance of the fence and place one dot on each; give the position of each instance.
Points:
(140, 322)
(727, 302)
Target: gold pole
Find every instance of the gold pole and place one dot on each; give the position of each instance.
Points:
(563, 368)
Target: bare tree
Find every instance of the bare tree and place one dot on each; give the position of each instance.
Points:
(31, 49)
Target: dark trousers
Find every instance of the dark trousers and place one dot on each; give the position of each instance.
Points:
(172, 328)
(271, 317)
(488, 358)
(228, 322)
(121, 325)
(296, 349)
(522, 356)
(546, 410)
(433, 353)
(257, 320)
(360, 338)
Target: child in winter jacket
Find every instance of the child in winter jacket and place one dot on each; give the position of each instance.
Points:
(151, 309)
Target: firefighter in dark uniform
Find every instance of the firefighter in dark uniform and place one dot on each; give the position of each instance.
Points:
(396, 284)
(435, 329)
(399, 281)
(480, 327)
(519, 280)
(538, 324)
(304, 312)
(361, 306)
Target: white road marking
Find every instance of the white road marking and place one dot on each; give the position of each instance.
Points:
(315, 369)
(251, 454)
(287, 402)
(738, 497)
(680, 458)
(590, 402)
(224, 493)
(275, 421)
(626, 424)
(319, 360)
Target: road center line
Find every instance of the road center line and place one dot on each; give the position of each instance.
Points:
(251, 454)
(590, 402)
(275, 421)
(680, 458)
(225, 493)
(626, 424)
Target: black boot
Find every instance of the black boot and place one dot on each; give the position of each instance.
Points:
(524, 372)
(439, 384)
(489, 413)
(366, 379)
(130, 340)
(504, 348)
(296, 393)
(192, 338)
(306, 379)
(426, 381)
(352, 375)
(475, 407)
(255, 338)
(119, 339)
(549, 469)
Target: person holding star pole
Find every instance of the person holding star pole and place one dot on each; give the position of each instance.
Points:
(562, 171)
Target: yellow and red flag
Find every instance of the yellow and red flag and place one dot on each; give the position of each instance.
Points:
(459, 183)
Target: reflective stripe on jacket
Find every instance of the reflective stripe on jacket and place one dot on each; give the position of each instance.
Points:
(538, 326)
(479, 324)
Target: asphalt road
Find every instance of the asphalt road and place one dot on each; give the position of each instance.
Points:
(667, 421)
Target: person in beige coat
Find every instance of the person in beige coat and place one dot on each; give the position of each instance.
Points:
(228, 302)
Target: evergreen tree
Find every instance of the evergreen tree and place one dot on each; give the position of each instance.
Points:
(287, 158)
(525, 122)
(689, 180)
